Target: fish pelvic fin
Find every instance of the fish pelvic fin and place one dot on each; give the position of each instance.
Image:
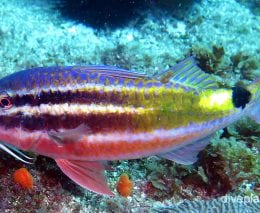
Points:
(188, 74)
(88, 174)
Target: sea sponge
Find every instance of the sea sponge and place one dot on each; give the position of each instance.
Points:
(124, 185)
(24, 178)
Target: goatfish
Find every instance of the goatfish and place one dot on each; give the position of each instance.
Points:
(83, 116)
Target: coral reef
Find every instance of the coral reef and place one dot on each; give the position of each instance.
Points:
(223, 204)
(47, 193)
(239, 67)
(253, 5)
(225, 165)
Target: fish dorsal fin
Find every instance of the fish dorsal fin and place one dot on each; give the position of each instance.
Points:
(88, 174)
(188, 74)
(189, 153)
(110, 71)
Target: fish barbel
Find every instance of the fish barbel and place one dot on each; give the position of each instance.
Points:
(82, 116)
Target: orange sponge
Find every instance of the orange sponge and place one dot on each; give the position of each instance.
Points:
(23, 178)
(124, 185)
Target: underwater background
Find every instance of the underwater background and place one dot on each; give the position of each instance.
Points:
(146, 36)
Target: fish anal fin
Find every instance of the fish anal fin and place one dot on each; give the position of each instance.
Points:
(187, 154)
(69, 136)
(88, 174)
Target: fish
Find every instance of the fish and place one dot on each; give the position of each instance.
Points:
(84, 116)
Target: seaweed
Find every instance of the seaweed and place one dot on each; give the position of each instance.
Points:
(237, 58)
(249, 69)
(219, 182)
(241, 163)
(160, 186)
(245, 64)
(245, 130)
(222, 167)
(209, 61)
(218, 53)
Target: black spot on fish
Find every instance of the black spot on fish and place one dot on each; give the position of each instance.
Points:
(240, 96)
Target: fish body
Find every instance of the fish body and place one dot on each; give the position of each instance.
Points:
(84, 115)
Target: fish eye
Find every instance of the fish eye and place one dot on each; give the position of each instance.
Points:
(5, 102)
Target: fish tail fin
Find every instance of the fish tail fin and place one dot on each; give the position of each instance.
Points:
(254, 111)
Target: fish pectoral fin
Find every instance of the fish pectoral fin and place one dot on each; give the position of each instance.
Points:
(88, 174)
(188, 74)
(69, 136)
(187, 154)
